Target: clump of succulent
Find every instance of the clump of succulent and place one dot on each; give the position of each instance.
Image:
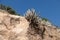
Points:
(34, 23)
(8, 9)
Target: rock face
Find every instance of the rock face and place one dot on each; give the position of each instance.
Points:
(14, 27)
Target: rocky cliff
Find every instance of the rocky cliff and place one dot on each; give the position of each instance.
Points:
(29, 27)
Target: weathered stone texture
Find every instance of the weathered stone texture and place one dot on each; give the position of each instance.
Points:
(14, 27)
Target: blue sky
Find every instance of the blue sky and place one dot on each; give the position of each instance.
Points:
(49, 9)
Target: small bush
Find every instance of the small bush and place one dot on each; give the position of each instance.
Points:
(44, 19)
(8, 9)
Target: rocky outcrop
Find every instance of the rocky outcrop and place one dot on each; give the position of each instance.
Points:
(13, 27)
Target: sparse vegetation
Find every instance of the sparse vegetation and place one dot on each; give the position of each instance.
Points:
(8, 9)
(44, 19)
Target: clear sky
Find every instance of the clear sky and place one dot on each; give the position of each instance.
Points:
(48, 8)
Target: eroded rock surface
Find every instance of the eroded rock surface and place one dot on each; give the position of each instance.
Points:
(14, 27)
